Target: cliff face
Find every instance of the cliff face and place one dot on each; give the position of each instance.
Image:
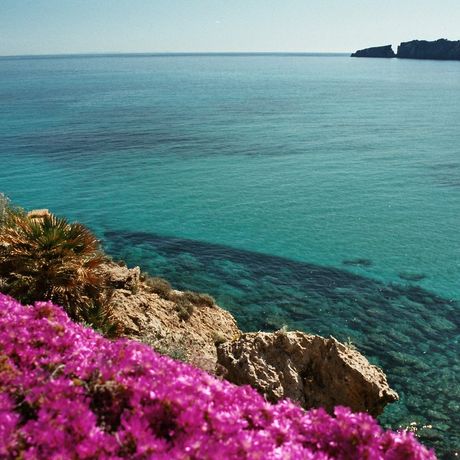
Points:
(421, 49)
(376, 52)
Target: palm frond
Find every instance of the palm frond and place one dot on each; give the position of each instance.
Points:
(48, 258)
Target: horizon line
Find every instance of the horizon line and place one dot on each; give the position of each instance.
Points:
(171, 54)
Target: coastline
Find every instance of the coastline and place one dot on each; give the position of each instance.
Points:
(321, 183)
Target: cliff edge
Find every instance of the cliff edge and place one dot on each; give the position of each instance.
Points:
(310, 370)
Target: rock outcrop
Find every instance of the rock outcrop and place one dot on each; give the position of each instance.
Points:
(149, 318)
(421, 49)
(38, 214)
(376, 52)
(310, 370)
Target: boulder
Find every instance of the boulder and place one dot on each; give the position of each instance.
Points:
(38, 214)
(308, 369)
(376, 52)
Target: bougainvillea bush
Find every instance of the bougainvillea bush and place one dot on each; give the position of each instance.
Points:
(68, 393)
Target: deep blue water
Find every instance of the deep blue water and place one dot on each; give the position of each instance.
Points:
(317, 192)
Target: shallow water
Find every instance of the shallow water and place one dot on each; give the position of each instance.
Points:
(321, 193)
(410, 332)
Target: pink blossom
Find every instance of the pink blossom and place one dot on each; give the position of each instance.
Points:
(66, 392)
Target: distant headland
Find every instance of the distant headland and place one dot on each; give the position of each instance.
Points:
(442, 49)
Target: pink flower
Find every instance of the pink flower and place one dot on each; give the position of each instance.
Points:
(66, 392)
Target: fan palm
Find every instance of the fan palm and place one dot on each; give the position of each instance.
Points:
(47, 258)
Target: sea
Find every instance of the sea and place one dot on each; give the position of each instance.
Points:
(315, 192)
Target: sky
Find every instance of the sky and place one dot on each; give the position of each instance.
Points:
(123, 26)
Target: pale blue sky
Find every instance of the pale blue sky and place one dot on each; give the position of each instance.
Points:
(97, 26)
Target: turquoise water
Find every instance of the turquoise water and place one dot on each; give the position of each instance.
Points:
(320, 192)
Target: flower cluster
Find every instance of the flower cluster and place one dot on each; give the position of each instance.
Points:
(68, 393)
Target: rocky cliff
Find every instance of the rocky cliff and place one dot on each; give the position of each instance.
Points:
(376, 52)
(421, 49)
(311, 370)
(442, 49)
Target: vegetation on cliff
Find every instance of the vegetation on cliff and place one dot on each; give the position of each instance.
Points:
(50, 258)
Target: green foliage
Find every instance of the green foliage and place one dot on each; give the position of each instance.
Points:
(7, 210)
(47, 258)
(184, 308)
(173, 351)
(100, 318)
(350, 344)
(185, 302)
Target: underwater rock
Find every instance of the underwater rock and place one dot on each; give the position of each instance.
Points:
(311, 370)
(359, 262)
(411, 276)
(376, 52)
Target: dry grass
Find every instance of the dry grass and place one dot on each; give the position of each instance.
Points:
(158, 286)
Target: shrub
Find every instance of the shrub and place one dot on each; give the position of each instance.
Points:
(66, 392)
(158, 286)
(46, 258)
(184, 308)
(101, 318)
(7, 210)
(219, 338)
(176, 352)
(184, 301)
(200, 300)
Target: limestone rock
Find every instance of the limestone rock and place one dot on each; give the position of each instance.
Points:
(38, 214)
(376, 52)
(148, 318)
(121, 277)
(310, 370)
